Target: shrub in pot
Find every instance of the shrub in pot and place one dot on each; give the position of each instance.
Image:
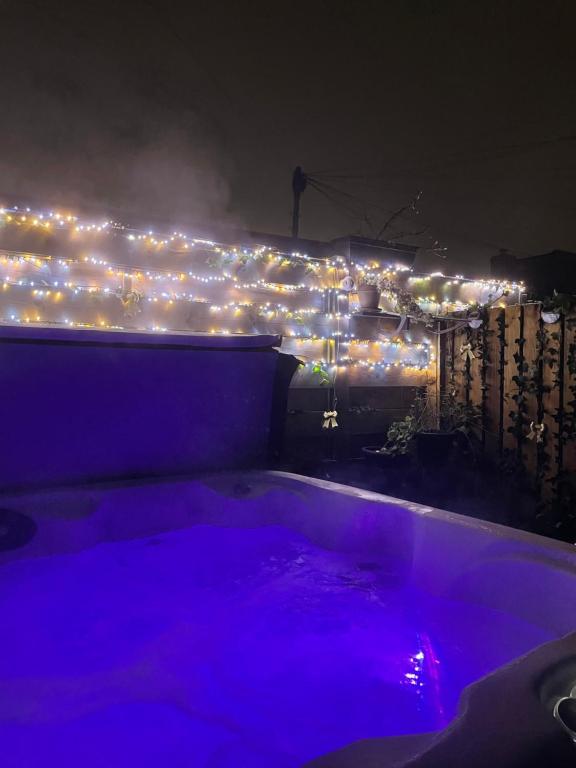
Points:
(453, 427)
(554, 305)
(435, 433)
(395, 453)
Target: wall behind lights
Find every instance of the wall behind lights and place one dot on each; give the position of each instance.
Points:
(61, 272)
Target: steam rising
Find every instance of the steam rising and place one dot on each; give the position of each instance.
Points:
(83, 129)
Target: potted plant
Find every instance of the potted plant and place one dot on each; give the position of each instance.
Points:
(404, 302)
(434, 433)
(369, 292)
(396, 450)
(555, 304)
(440, 432)
(550, 311)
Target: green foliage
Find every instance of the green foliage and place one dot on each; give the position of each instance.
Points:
(467, 373)
(454, 417)
(559, 302)
(399, 436)
(519, 415)
(483, 349)
(322, 374)
(569, 420)
(404, 301)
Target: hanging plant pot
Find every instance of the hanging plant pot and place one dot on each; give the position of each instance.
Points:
(550, 317)
(475, 322)
(369, 296)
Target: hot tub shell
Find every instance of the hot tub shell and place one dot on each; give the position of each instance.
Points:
(505, 719)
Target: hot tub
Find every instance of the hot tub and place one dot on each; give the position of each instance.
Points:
(84, 405)
(265, 620)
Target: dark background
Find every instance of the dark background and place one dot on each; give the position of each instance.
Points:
(197, 113)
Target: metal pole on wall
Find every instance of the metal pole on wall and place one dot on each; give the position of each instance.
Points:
(299, 182)
(437, 372)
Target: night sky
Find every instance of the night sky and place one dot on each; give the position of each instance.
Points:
(197, 113)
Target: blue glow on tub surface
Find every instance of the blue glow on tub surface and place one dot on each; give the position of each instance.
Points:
(228, 648)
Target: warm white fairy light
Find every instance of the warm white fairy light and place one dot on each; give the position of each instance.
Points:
(310, 311)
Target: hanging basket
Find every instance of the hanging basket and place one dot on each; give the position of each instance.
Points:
(550, 317)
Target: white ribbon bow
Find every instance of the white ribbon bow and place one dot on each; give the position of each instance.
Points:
(466, 352)
(536, 431)
(330, 420)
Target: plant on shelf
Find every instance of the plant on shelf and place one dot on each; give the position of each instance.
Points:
(404, 302)
(553, 306)
(372, 285)
(369, 291)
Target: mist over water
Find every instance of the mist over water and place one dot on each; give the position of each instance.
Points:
(192, 111)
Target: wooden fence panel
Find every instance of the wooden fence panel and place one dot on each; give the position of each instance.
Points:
(547, 355)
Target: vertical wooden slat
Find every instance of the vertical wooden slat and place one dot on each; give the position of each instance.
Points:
(476, 369)
(551, 401)
(452, 372)
(541, 452)
(510, 369)
(492, 405)
(483, 365)
(531, 358)
(460, 364)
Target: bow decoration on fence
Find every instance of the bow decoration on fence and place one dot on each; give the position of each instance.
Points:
(536, 431)
(130, 302)
(466, 351)
(330, 420)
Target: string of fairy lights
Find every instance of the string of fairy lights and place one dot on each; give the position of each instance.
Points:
(214, 288)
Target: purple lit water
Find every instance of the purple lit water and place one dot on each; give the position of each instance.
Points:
(228, 648)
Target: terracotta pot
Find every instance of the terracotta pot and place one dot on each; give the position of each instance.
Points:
(369, 296)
